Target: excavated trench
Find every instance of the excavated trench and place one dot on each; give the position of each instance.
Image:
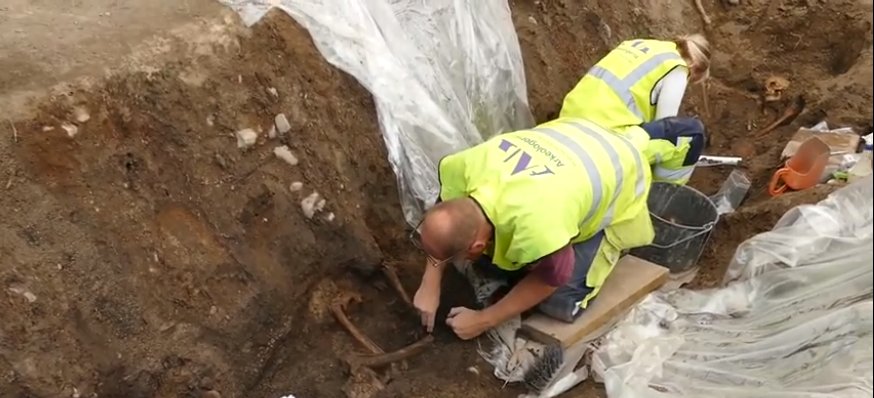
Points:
(147, 255)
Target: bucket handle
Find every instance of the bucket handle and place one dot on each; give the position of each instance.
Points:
(704, 229)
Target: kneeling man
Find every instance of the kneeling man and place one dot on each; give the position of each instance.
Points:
(548, 210)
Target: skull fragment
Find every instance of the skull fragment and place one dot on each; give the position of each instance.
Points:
(774, 88)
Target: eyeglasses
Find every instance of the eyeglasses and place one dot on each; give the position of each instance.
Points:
(416, 239)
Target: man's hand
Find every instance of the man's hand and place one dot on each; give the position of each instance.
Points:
(467, 323)
(426, 301)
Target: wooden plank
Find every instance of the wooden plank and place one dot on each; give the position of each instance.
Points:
(631, 280)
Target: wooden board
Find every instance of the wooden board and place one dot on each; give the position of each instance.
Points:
(631, 280)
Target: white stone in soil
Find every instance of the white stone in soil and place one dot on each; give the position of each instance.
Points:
(281, 122)
(285, 154)
(70, 128)
(23, 291)
(308, 204)
(81, 114)
(295, 186)
(246, 138)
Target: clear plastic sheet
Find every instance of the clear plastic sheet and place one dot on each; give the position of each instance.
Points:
(732, 192)
(794, 318)
(444, 74)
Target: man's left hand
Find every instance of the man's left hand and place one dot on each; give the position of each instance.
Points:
(467, 323)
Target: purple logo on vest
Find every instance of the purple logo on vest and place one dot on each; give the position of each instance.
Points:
(523, 160)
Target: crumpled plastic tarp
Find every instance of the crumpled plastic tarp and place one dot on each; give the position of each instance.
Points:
(444, 74)
(794, 318)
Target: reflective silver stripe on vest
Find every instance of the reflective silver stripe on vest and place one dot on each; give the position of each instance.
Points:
(622, 87)
(669, 175)
(640, 182)
(588, 164)
(592, 170)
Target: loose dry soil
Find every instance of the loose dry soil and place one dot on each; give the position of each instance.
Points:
(147, 256)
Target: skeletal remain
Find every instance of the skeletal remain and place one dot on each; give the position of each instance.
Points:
(338, 309)
(363, 383)
(789, 114)
(705, 99)
(395, 282)
(774, 88)
(700, 8)
(357, 361)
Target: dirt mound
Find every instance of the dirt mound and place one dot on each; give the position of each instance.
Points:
(147, 255)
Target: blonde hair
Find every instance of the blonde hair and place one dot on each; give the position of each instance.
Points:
(695, 49)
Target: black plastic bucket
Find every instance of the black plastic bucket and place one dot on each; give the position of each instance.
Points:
(683, 219)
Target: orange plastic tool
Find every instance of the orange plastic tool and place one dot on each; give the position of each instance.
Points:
(803, 170)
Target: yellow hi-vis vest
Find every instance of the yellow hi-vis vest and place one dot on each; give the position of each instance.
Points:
(616, 92)
(667, 160)
(558, 183)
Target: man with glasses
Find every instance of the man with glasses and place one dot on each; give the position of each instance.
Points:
(546, 212)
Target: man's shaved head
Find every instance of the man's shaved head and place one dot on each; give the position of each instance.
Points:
(450, 227)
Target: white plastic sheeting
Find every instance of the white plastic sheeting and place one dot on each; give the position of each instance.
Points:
(445, 74)
(793, 320)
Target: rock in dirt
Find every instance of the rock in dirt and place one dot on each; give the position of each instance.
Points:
(308, 204)
(295, 186)
(285, 154)
(70, 128)
(273, 91)
(81, 114)
(221, 161)
(23, 291)
(281, 122)
(272, 132)
(246, 138)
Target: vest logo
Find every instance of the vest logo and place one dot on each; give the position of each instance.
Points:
(636, 48)
(523, 159)
(638, 44)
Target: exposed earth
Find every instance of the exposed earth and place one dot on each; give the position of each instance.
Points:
(145, 255)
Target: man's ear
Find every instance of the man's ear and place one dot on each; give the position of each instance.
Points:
(477, 246)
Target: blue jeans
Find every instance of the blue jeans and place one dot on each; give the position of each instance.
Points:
(564, 303)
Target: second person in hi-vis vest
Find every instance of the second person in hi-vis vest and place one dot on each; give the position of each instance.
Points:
(641, 82)
(547, 211)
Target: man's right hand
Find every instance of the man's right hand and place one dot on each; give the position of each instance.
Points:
(426, 301)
